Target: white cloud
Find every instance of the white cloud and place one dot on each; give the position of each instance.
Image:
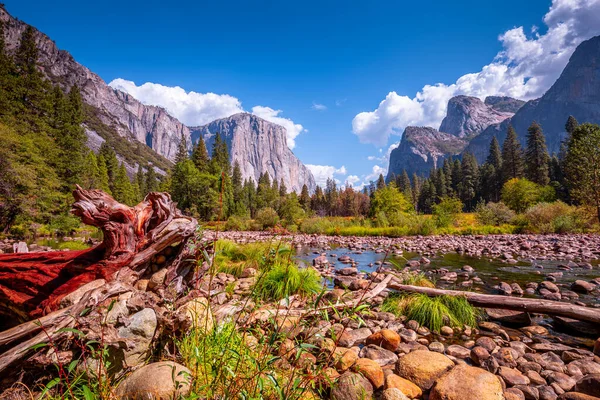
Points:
(271, 115)
(195, 109)
(191, 108)
(352, 180)
(318, 107)
(324, 172)
(525, 68)
(375, 172)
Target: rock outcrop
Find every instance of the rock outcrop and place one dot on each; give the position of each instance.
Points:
(259, 146)
(504, 104)
(135, 123)
(421, 149)
(576, 92)
(468, 116)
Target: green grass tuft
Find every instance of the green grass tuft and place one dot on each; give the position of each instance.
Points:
(285, 279)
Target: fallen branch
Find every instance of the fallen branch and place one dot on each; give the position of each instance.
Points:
(510, 303)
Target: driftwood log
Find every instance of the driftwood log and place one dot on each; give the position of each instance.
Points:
(537, 306)
(32, 285)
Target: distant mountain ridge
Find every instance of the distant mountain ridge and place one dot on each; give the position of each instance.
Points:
(126, 122)
(576, 92)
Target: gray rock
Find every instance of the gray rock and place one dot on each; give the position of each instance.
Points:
(138, 334)
(161, 380)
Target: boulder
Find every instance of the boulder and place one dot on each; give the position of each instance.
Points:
(423, 367)
(196, 314)
(393, 381)
(352, 386)
(378, 354)
(465, 382)
(385, 338)
(344, 358)
(138, 334)
(161, 381)
(354, 337)
(370, 370)
(393, 394)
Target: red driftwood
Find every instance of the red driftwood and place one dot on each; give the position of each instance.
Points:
(32, 284)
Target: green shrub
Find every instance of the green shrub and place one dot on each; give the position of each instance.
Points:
(285, 279)
(494, 214)
(267, 217)
(520, 194)
(556, 217)
(447, 211)
(236, 223)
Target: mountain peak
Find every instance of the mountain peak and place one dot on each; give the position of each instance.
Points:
(468, 116)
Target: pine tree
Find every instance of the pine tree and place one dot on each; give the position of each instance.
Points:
(140, 178)
(536, 156)
(7, 77)
(282, 188)
(91, 178)
(331, 196)
(103, 179)
(305, 198)
(200, 156)
(492, 173)
(220, 156)
(571, 125)
(416, 189)
(512, 157)
(470, 180)
(456, 176)
(123, 190)
(110, 161)
(380, 182)
(182, 151)
(151, 180)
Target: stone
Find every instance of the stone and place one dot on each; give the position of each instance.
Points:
(393, 394)
(512, 376)
(580, 286)
(352, 337)
(423, 367)
(197, 314)
(551, 287)
(138, 333)
(577, 396)
(370, 370)
(478, 355)
(157, 279)
(447, 331)
(589, 384)
(535, 330)
(352, 386)
(564, 381)
(161, 381)
(404, 385)
(344, 358)
(378, 354)
(437, 347)
(487, 343)
(465, 382)
(458, 351)
(385, 338)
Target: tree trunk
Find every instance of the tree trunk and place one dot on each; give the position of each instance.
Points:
(510, 303)
(33, 284)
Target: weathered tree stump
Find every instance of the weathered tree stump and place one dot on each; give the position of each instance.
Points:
(32, 285)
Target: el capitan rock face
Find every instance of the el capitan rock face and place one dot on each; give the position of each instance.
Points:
(153, 126)
(576, 92)
(259, 146)
(468, 116)
(421, 149)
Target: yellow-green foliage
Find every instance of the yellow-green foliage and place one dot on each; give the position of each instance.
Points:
(284, 279)
(520, 194)
(556, 217)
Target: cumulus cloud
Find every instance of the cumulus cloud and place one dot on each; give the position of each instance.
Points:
(318, 107)
(352, 180)
(195, 109)
(324, 172)
(191, 108)
(292, 129)
(525, 68)
(375, 172)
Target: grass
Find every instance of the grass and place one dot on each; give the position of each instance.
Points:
(433, 312)
(233, 258)
(285, 279)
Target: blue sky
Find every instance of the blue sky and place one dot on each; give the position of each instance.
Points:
(326, 65)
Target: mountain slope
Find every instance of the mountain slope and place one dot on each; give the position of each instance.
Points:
(421, 149)
(259, 146)
(576, 92)
(468, 116)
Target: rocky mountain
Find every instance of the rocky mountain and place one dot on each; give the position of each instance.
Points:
(468, 116)
(421, 149)
(576, 92)
(134, 129)
(259, 146)
(504, 104)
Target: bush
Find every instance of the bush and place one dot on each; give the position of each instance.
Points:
(556, 217)
(447, 211)
(267, 218)
(235, 223)
(285, 279)
(494, 214)
(520, 194)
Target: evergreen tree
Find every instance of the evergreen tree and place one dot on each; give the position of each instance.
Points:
(427, 197)
(405, 185)
(103, 179)
(200, 156)
(91, 179)
(512, 157)
(151, 180)
(122, 188)
(571, 125)
(331, 196)
(416, 190)
(456, 176)
(536, 156)
(7, 78)
(182, 151)
(448, 173)
(220, 156)
(110, 161)
(491, 181)
(282, 188)
(470, 180)
(140, 178)
(305, 198)
(380, 182)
